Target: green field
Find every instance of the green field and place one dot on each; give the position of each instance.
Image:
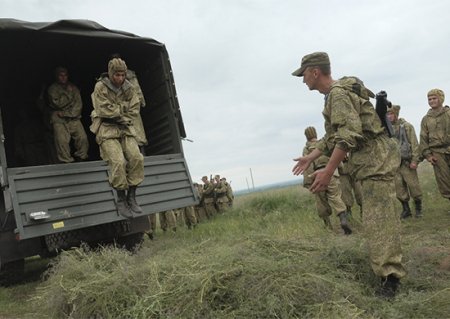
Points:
(268, 257)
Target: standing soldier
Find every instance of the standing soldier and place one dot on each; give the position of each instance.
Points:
(230, 194)
(349, 187)
(221, 194)
(330, 199)
(406, 181)
(200, 212)
(65, 102)
(435, 140)
(208, 197)
(353, 126)
(116, 106)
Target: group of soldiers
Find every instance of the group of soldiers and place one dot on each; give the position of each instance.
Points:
(116, 123)
(434, 146)
(215, 196)
(359, 135)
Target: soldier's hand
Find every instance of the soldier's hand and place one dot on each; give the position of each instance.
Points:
(321, 181)
(432, 159)
(413, 165)
(301, 165)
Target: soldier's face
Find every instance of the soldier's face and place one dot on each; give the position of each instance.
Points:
(391, 117)
(62, 78)
(433, 101)
(310, 78)
(118, 78)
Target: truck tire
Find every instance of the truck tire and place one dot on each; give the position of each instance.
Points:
(12, 272)
(130, 242)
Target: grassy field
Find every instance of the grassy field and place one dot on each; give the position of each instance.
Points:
(268, 257)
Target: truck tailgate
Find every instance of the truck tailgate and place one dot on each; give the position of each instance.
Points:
(78, 195)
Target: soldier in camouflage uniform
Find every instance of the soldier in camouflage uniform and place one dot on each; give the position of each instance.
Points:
(208, 197)
(435, 139)
(200, 212)
(330, 199)
(141, 138)
(116, 106)
(349, 187)
(230, 194)
(65, 102)
(406, 182)
(221, 190)
(353, 127)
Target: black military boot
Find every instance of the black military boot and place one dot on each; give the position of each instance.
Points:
(406, 210)
(418, 204)
(122, 205)
(131, 200)
(344, 223)
(389, 286)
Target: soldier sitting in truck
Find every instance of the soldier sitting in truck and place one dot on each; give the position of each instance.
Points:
(116, 106)
(65, 102)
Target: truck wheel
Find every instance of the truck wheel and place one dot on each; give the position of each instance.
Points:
(12, 273)
(130, 242)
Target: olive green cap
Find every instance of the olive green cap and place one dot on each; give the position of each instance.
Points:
(313, 59)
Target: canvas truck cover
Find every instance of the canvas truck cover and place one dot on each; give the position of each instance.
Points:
(78, 195)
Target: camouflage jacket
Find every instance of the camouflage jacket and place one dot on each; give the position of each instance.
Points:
(65, 99)
(435, 132)
(221, 189)
(115, 110)
(410, 136)
(352, 125)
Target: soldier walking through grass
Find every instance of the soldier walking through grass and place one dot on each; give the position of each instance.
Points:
(406, 181)
(435, 139)
(353, 127)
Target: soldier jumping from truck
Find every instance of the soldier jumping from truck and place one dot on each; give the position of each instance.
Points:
(116, 107)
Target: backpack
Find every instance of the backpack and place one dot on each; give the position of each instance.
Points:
(405, 146)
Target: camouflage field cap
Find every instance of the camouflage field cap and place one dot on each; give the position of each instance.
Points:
(116, 65)
(310, 132)
(439, 93)
(313, 59)
(394, 109)
(204, 177)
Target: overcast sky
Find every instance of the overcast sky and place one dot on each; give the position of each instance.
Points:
(232, 61)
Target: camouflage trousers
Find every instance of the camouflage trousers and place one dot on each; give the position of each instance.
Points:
(126, 163)
(210, 208)
(200, 213)
(330, 200)
(350, 186)
(407, 183)
(382, 227)
(189, 216)
(63, 132)
(222, 204)
(152, 222)
(442, 173)
(167, 220)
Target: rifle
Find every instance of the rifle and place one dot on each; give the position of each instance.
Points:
(381, 107)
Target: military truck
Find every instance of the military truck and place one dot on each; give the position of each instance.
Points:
(49, 206)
